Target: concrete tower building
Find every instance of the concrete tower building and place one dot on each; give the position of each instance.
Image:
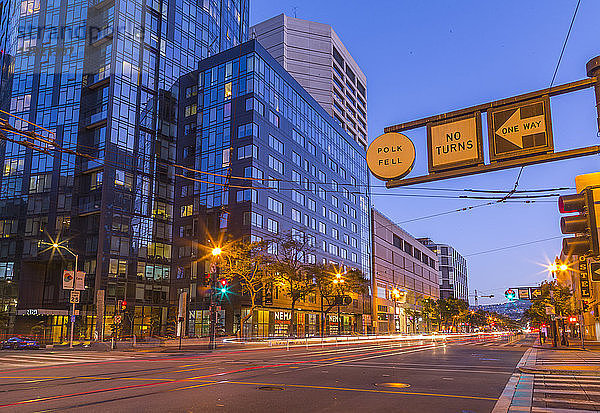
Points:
(316, 57)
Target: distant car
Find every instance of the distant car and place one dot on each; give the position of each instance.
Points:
(20, 343)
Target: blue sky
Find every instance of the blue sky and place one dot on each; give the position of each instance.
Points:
(422, 58)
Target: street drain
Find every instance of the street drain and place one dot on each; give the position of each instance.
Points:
(393, 385)
(271, 388)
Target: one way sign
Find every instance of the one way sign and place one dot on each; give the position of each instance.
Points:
(595, 271)
(520, 129)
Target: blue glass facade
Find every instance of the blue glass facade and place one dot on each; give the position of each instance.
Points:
(251, 119)
(96, 73)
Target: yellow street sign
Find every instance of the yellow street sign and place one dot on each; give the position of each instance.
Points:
(520, 129)
(455, 143)
(391, 155)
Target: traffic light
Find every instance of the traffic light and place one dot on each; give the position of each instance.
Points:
(585, 306)
(583, 225)
(223, 286)
(123, 305)
(510, 294)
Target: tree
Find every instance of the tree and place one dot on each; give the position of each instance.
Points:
(552, 294)
(288, 267)
(245, 264)
(4, 320)
(429, 311)
(324, 277)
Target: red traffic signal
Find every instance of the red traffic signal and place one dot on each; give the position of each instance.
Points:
(582, 225)
(223, 282)
(123, 305)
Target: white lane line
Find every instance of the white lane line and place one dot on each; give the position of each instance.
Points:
(320, 365)
(425, 368)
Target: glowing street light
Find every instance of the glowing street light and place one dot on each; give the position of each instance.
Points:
(216, 251)
(563, 267)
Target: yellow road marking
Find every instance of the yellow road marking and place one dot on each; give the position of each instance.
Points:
(197, 368)
(362, 390)
(193, 387)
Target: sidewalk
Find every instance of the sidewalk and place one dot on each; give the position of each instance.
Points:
(550, 380)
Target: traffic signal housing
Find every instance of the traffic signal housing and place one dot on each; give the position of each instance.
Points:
(583, 225)
(510, 294)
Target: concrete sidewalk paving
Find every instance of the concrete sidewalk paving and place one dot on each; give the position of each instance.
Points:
(553, 380)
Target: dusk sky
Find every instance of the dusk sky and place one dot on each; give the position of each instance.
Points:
(423, 58)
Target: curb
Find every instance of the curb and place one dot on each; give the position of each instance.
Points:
(526, 370)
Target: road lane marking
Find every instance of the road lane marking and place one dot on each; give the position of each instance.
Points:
(306, 386)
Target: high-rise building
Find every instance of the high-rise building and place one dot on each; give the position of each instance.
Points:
(242, 115)
(316, 57)
(95, 73)
(453, 270)
(404, 274)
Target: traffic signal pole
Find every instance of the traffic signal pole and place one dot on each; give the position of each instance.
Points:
(593, 70)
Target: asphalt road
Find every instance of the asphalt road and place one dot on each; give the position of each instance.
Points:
(390, 377)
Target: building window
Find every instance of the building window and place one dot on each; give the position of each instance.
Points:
(253, 218)
(296, 159)
(273, 226)
(191, 110)
(298, 197)
(275, 205)
(322, 228)
(247, 195)
(296, 215)
(274, 119)
(248, 151)
(311, 204)
(299, 139)
(186, 210)
(276, 144)
(397, 241)
(276, 164)
(249, 129)
(253, 103)
(191, 91)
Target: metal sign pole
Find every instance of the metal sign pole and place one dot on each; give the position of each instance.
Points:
(73, 306)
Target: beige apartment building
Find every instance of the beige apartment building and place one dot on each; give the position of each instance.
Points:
(316, 57)
(404, 272)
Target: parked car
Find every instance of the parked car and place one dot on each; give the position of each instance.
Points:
(20, 343)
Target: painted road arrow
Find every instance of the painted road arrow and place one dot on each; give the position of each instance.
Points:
(516, 127)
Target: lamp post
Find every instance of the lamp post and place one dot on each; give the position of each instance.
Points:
(56, 246)
(339, 281)
(396, 297)
(216, 253)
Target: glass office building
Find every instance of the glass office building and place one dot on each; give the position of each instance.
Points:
(242, 115)
(95, 74)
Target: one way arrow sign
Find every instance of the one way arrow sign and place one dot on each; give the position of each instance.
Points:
(595, 271)
(516, 127)
(520, 129)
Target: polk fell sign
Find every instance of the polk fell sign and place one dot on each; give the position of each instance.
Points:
(455, 143)
(520, 130)
(391, 155)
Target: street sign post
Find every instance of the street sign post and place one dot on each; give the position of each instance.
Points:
(79, 281)
(521, 129)
(535, 292)
(455, 143)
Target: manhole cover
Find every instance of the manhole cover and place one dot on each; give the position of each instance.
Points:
(271, 388)
(393, 385)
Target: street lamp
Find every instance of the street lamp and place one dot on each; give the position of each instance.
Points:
(216, 253)
(396, 297)
(58, 246)
(338, 281)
